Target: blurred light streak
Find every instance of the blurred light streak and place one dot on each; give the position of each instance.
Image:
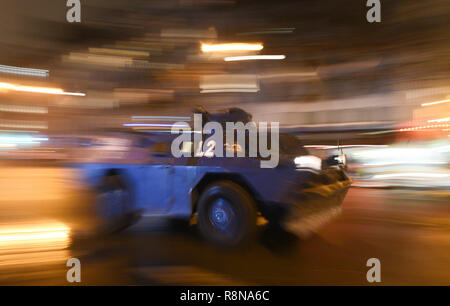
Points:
(24, 71)
(436, 102)
(422, 93)
(24, 243)
(43, 90)
(268, 31)
(154, 129)
(288, 75)
(415, 162)
(154, 118)
(21, 124)
(254, 57)
(378, 132)
(23, 109)
(231, 47)
(440, 120)
(344, 146)
(421, 128)
(100, 60)
(18, 131)
(25, 232)
(399, 159)
(53, 254)
(155, 125)
(21, 139)
(215, 83)
(8, 145)
(411, 174)
(229, 90)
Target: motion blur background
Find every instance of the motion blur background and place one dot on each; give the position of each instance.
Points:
(379, 90)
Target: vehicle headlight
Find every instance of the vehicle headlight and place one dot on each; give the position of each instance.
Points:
(308, 161)
(341, 159)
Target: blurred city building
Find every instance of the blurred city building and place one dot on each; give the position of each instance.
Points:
(330, 69)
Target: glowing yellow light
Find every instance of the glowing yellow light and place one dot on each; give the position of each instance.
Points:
(49, 232)
(23, 243)
(43, 90)
(436, 102)
(35, 236)
(31, 229)
(232, 47)
(45, 233)
(254, 58)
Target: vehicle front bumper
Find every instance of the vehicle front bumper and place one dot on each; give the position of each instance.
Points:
(315, 202)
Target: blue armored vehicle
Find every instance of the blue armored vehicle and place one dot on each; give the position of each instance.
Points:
(137, 173)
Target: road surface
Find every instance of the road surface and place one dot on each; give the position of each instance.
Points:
(408, 231)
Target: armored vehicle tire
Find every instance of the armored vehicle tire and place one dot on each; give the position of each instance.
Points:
(226, 214)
